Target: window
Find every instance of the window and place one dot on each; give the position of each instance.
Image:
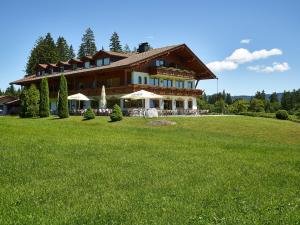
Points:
(159, 62)
(140, 80)
(74, 66)
(86, 65)
(168, 83)
(190, 84)
(145, 80)
(190, 104)
(99, 62)
(106, 61)
(113, 82)
(154, 81)
(61, 69)
(179, 84)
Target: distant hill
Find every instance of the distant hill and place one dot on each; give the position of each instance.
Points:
(248, 97)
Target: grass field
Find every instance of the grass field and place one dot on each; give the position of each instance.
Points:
(208, 170)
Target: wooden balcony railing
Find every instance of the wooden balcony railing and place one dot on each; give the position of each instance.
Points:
(171, 72)
(135, 87)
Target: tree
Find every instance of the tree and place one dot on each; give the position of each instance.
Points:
(240, 106)
(126, 48)
(88, 45)
(260, 95)
(273, 97)
(11, 91)
(115, 45)
(116, 114)
(63, 110)
(44, 51)
(257, 105)
(71, 52)
(23, 99)
(228, 99)
(220, 106)
(44, 98)
(63, 49)
(32, 99)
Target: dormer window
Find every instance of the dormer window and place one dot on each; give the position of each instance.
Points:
(99, 62)
(159, 62)
(87, 64)
(50, 70)
(38, 73)
(106, 61)
(74, 66)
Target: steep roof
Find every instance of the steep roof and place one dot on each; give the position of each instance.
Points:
(130, 60)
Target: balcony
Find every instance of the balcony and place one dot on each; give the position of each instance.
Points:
(121, 90)
(171, 73)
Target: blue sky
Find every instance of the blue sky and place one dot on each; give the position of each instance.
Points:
(212, 29)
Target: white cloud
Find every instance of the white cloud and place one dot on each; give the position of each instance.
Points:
(276, 67)
(245, 41)
(241, 56)
(218, 66)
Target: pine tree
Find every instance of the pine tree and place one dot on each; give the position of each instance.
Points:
(63, 49)
(126, 48)
(23, 99)
(63, 110)
(32, 101)
(11, 91)
(228, 99)
(115, 45)
(88, 45)
(44, 51)
(273, 97)
(44, 98)
(71, 54)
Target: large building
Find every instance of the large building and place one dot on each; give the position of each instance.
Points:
(173, 72)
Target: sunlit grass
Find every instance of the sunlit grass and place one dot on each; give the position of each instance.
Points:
(207, 170)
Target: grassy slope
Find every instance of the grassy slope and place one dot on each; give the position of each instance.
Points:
(223, 170)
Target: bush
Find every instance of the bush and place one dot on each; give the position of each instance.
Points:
(89, 114)
(282, 115)
(32, 99)
(298, 114)
(116, 114)
(257, 105)
(220, 106)
(44, 101)
(62, 108)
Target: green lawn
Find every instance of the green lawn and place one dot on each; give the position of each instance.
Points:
(205, 170)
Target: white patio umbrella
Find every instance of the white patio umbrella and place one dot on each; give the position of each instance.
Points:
(79, 97)
(102, 104)
(142, 94)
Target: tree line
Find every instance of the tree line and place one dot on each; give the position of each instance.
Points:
(46, 50)
(224, 103)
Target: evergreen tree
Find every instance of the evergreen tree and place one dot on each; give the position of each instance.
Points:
(44, 51)
(115, 45)
(228, 99)
(71, 54)
(257, 105)
(63, 110)
(23, 99)
(11, 91)
(126, 49)
(63, 49)
(1, 93)
(273, 97)
(32, 99)
(260, 95)
(44, 101)
(116, 114)
(88, 45)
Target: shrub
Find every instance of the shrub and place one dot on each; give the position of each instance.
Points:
(257, 105)
(32, 99)
(89, 114)
(23, 99)
(44, 102)
(220, 106)
(239, 106)
(282, 115)
(116, 114)
(298, 114)
(62, 108)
